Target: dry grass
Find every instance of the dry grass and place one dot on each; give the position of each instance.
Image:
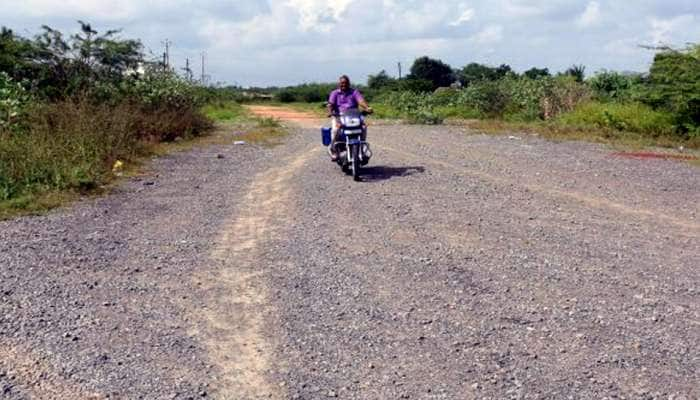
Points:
(35, 204)
(135, 156)
(552, 131)
(68, 148)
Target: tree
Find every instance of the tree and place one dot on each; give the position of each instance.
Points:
(475, 72)
(17, 56)
(536, 73)
(503, 70)
(74, 64)
(578, 72)
(612, 85)
(674, 85)
(435, 71)
(380, 81)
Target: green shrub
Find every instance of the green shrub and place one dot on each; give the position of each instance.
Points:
(561, 95)
(223, 111)
(674, 86)
(611, 85)
(72, 144)
(414, 85)
(487, 97)
(308, 93)
(630, 117)
(13, 102)
(157, 88)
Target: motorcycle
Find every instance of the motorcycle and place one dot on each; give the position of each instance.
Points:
(352, 152)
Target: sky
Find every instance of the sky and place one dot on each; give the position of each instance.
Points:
(284, 42)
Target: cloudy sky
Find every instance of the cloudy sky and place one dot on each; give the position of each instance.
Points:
(278, 42)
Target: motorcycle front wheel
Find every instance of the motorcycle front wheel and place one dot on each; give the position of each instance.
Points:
(355, 154)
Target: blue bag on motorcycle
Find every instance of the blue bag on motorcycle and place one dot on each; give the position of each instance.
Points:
(325, 135)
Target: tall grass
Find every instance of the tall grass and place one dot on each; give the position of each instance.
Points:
(630, 117)
(72, 144)
(224, 111)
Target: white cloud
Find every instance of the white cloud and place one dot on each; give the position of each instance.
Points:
(466, 16)
(591, 15)
(488, 35)
(109, 10)
(261, 42)
(517, 9)
(319, 15)
(663, 30)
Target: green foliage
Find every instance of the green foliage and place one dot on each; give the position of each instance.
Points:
(86, 101)
(380, 81)
(308, 92)
(13, 102)
(474, 72)
(60, 67)
(562, 94)
(511, 97)
(227, 111)
(611, 85)
(414, 85)
(630, 117)
(435, 71)
(72, 144)
(578, 72)
(222, 94)
(487, 97)
(158, 88)
(674, 86)
(415, 107)
(18, 57)
(536, 73)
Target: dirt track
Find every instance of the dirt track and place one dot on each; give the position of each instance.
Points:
(464, 266)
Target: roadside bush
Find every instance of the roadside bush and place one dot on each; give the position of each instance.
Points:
(67, 146)
(72, 144)
(630, 117)
(309, 93)
(416, 108)
(674, 86)
(611, 85)
(163, 89)
(525, 97)
(13, 102)
(487, 97)
(562, 95)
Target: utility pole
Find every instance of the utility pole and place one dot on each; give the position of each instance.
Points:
(188, 70)
(167, 53)
(203, 76)
(399, 63)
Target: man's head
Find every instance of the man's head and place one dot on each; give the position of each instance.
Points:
(344, 82)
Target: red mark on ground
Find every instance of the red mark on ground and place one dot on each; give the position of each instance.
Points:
(647, 155)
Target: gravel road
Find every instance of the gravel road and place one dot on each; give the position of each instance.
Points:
(463, 266)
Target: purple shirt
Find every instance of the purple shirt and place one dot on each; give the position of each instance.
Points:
(343, 101)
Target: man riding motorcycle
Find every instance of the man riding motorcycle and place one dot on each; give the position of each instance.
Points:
(340, 100)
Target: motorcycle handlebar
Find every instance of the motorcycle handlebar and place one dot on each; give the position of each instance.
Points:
(363, 112)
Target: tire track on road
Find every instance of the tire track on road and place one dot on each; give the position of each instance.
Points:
(233, 324)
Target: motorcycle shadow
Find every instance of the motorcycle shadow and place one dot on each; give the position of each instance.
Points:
(380, 173)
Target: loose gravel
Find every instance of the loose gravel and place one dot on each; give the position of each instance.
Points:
(463, 266)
